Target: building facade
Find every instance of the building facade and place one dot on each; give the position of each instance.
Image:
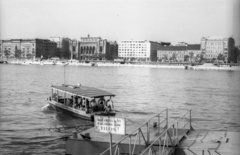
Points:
(1, 52)
(92, 48)
(112, 50)
(139, 50)
(213, 46)
(66, 47)
(28, 48)
(178, 53)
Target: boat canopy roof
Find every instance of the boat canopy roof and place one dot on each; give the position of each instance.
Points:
(83, 91)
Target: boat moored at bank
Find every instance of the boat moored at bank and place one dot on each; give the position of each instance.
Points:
(82, 101)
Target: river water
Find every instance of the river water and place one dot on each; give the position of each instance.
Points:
(28, 126)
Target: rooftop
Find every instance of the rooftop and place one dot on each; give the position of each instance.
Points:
(180, 48)
(88, 92)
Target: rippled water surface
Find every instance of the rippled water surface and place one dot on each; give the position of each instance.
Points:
(27, 124)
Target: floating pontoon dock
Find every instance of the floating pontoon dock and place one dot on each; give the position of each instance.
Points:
(155, 136)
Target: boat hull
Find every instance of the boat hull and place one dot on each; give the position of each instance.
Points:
(72, 111)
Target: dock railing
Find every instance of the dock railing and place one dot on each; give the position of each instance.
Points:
(165, 139)
(166, 142)
(140, 137)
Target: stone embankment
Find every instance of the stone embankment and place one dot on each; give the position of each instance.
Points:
(206, 66)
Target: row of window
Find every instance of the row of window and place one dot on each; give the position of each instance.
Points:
(168, 55)
(209, 43)
(133, 41)
(122, 45)
(25, 44)
(211, 56)
(132, 50)
(215, 43)
(214, 51)
(214, 47)
(171, 52)
(90, 40)
(131, 55)
(9, 48)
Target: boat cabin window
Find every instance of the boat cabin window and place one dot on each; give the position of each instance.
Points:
(99, 104)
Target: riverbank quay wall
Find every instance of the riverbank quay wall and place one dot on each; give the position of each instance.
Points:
(190, 66)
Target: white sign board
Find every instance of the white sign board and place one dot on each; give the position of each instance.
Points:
(111, 125)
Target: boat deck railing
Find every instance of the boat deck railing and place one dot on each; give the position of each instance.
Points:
(153, 139)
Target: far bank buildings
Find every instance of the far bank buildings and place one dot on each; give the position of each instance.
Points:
(96, 48)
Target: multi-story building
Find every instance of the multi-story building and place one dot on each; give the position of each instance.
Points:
(140, 50)
(213, 46)
(90, 48)
(29, 48)
(66, 47)
(112, 50)
(1, 54)
(178, 52)
(74, 49)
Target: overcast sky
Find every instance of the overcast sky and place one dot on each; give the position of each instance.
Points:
(157, 20)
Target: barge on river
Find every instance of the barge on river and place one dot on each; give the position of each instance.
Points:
(82, 101)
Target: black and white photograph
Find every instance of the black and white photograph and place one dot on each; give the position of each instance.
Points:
(119, 77)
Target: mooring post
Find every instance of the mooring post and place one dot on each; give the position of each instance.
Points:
(130, 147)
(110, 142)
(191, 128)
(177, 133)
(139, 140)
(148, 132)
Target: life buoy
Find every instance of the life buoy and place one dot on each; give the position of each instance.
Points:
(101, 101)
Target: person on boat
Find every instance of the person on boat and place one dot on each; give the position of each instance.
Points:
(79, 102)
(87, 108)
(101, 103)
(94, 105)
(68, 102)
(54, 96)
(71, 101)
(109, 104)
(75, 99)
(83, 103)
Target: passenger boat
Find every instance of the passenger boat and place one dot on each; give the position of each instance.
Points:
(82, 101)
